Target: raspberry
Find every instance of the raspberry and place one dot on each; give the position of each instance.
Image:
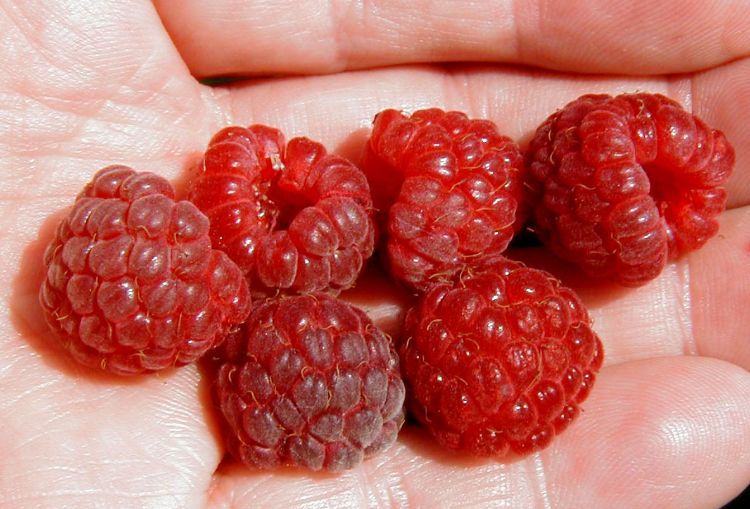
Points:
(498, 363)
(292, 216)
(310, 382)
(624, 183)
(132, 283)
(451, 186)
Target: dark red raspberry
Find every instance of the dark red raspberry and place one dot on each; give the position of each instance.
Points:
(624, 183)
(451, 187)
(311, 382)
(498, 363)
(132, 282)
(292, 216)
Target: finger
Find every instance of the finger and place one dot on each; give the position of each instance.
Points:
(720, 291)
(656, 433)
(338, 110)
(229, 37)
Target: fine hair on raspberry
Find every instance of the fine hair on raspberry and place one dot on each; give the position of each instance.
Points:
(623, 184)
(295, 218)
(498, 362)
(132, 284)
(308, 382)
(450, 189)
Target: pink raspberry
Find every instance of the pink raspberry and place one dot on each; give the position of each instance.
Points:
(624, 183)
(450, 187)
(132, 283)
(498, 363)
(293, 217)
(310, 382)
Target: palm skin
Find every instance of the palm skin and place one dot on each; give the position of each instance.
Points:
(668, 422)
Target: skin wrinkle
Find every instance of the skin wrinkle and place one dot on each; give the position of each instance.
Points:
(182, 472)
(73, 124)
(686, 310)
(218, 101)
(540, 481)
(391, 492)
(17, 19)
(517, 7)
(367, 495)
(248, 492)
(477, 103)
(676, 328)
(397, 496)
(113, 490)
(502, 491)
(98, 462)
(13, 400)
(51, 57)
(478, 482)
(681, 89)
(98, 107)
(455, 88)
(185, 471)
(340, 24)
(500, 497)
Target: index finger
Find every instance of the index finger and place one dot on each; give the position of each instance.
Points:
(637, 37)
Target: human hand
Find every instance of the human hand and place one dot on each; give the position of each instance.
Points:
(668, 422)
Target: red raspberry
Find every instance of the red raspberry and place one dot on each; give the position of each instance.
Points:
(292, 216)
(625, 182)
(499, 362)
(311, 382)
(132, 282)
(451, 187)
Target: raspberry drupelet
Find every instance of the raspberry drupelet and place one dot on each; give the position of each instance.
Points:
(310, 382)
(293, 217)
(450, 189)
(498, 362)
(132, 284)
(622, 184)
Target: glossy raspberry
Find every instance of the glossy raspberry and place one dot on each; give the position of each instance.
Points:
(498, 363)
(308, 382)
(451, 187)
(624, 183)
(292, 216)
(132, 283)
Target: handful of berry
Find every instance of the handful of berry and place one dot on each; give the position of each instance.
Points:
(494, 358)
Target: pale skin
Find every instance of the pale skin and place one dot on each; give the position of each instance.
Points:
(83, 86)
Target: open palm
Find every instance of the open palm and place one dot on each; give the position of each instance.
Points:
(668, 423)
